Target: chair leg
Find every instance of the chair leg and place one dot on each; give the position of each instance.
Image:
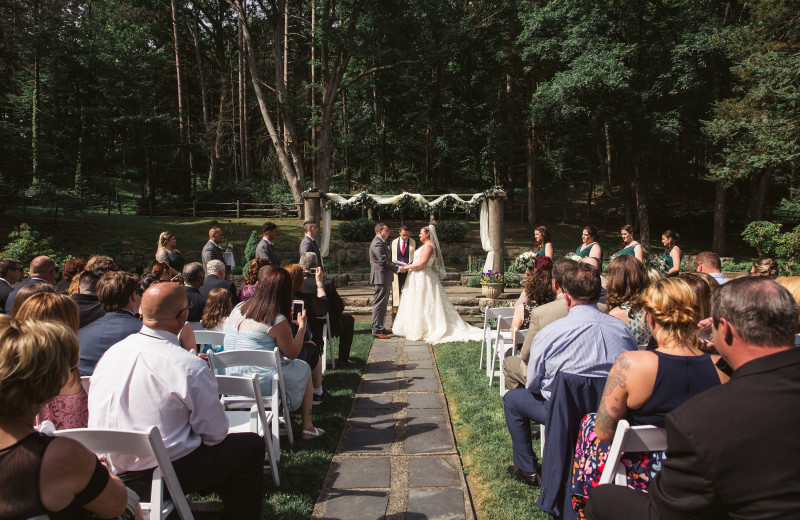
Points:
(495, 355)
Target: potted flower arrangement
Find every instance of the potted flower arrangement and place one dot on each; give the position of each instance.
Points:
(492, 283)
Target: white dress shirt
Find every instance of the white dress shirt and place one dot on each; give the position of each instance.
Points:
(149, 379)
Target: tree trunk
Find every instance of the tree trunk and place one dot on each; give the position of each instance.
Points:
(244, 144)
(640, 187)
(758, 194)
(179, 77)
(509, 142)
(530, 167)
(35, 97)
(718, 242)
(205, 101)
(607, 183)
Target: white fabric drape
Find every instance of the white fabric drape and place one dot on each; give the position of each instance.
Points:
(325, 241)
(394, 199)
(486, 244)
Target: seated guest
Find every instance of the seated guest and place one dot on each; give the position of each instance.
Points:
(186, 335)
(515, 368)
(10, 273)
(69, 408)
(702, 293)
(41, 475)
(629, 245)
(585, 343)
(28, 291)
(261, 323)
(540, 263)
(644, 386)
(119, 295)
(193, 278)
(709, 263)
(538, 291)
(217, 309)
(162, 271)
(342, 324)
(315, 305)
(42, 270)
(626, 279)
(217, 277)
(86, 297)
(791, 284)
(727, 447)
(251, 278)
(71, 268)
(765, 267)
(148, 379)
(162, 257)
(100, 263)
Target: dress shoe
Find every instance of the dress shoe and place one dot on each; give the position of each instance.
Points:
(531, 479)
(345, 362)
(381, 336)
(388, 331)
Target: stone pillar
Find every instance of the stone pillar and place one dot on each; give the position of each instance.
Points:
(496, 237)
(312, 206)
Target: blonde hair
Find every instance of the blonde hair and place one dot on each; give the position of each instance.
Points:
(51, 307)
(163, 238)
(791, 284)
(654, 275)
(766, 267)
(36, 358)
(296, 272)
(671, 303)
(218, 307)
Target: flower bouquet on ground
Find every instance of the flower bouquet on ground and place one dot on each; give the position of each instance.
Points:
(490, 276)
(523, 262)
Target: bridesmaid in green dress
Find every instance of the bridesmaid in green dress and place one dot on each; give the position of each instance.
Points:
(542, 242)
(629, 246)
(590, 247)
(672, 254)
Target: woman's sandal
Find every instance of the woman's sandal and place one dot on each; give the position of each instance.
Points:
(309, 435)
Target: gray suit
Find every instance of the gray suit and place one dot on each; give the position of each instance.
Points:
(381, 271)
(515, 368)
(211, 251)
(265, 250)
(309, 245)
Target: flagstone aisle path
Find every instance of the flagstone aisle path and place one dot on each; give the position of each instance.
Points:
(397, 458)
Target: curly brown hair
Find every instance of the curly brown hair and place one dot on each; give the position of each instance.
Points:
(626, 279)
(539, 287)
(252, 271)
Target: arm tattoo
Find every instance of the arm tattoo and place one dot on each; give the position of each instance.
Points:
(618, 377)
(604, 423)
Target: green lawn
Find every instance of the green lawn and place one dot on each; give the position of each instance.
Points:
(482, 437)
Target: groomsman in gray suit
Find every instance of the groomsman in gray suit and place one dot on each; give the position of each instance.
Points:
(212, 250)
(309, 243)
(380, 276)
(265, 248)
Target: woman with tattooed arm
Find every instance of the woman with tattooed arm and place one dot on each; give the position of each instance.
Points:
(643, 386)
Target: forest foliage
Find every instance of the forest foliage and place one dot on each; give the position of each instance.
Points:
(663, 108)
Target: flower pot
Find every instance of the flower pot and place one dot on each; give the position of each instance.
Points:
(493, 290)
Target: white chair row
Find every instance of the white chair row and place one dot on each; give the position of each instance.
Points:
(500, 342)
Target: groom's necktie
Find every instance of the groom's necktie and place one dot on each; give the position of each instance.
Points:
(403, 247)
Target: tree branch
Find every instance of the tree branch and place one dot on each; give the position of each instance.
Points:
(372, 71)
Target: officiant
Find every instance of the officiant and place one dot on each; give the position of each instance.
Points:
(402, 251)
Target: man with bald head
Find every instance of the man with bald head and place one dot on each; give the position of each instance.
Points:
(42, 270)
(213, 248)
(149, 379)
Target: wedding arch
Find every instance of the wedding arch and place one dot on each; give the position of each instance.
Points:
(320, 206)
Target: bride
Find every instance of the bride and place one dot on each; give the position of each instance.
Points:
(425, 311)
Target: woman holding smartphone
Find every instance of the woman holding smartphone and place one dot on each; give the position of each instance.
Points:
(262, 323)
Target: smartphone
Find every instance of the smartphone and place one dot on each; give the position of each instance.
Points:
(297, 308)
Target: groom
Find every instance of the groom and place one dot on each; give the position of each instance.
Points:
(380, 276)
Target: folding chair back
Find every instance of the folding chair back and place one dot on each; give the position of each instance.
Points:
(139, 444)
(257, 420)
(85, 383)
(276, 402)
(327, 342)
(489, 334)
(630, 439)
(506, 340)
(209, 337)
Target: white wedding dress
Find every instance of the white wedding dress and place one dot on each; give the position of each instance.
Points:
(425, 311)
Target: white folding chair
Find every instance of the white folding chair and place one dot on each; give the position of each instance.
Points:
(209, 337)
(505, 344)
(85, 383)
(489, 334)
(256, 420)
(327, 342)
(276, 402)
(630, 439)
(146, 444)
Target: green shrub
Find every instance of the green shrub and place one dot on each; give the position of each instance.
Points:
(768, 240)
(451, 231)
(358, 230)
(474, 281)
(26, 244)
(737, 266)
(250, 248)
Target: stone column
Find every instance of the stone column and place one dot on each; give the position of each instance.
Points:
(312, 206)
(496, 237)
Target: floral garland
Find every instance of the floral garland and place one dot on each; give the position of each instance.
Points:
(408, 202)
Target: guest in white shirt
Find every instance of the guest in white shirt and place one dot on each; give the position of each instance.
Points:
(709, 263)
(148, 379)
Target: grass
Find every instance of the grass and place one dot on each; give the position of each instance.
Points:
(303, 467)
(483, 441)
